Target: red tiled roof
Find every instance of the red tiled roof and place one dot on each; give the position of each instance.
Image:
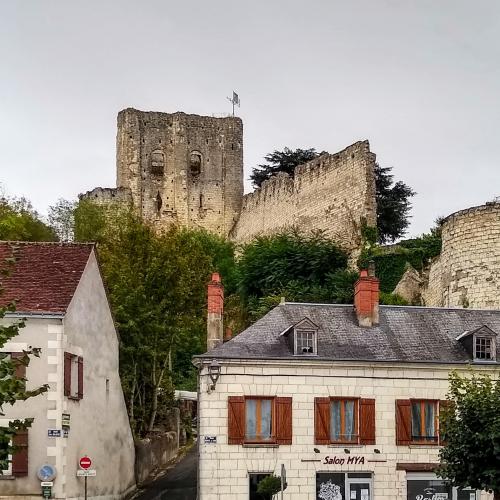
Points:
(44, 276)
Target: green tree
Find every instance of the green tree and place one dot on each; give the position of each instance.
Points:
(303, 268)
(281, 161)
(393, 205)
(269, 486)
(470, 425)
(62, 219)
(20, 222)
(12, 388)
(157, 289)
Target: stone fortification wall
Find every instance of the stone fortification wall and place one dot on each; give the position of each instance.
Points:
(180, 168)
(103, 196)
(467, 273)
(333, 193)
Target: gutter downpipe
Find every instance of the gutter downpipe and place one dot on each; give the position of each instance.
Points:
(200, 368)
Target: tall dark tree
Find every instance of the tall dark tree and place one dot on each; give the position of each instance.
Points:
(281, 161)
(393, 205)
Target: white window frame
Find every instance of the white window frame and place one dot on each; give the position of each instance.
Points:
(493, 348)
(298, 331)
(429, 476)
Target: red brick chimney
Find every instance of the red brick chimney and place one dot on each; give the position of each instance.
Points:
(366, 295)
(215, 326)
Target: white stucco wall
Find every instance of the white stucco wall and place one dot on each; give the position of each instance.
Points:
(99, 422)
(224, 469)
(45, 334)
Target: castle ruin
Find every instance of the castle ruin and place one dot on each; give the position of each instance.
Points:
(175, 168)
(467, 272)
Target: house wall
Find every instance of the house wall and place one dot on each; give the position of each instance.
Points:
(224, 469)
(99, 422)
(45, 334)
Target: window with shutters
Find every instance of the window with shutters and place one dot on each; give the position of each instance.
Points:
(73, 376)
(417, 421)
(259, 420)
(344, 421)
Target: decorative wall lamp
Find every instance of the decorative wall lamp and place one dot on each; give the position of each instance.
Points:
(214, 370)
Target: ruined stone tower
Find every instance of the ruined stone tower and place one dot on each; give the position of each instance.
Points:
(181, 168)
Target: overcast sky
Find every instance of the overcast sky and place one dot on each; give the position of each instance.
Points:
(419, 79)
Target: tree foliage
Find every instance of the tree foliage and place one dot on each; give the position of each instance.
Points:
(307, 268)
(470, 426)
(157, 289)
(269, 486)
(62, 219)
(19, 221)
(12, 388)
(281, 161)
(393, 205)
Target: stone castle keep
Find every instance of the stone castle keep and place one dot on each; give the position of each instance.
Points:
(175, 168)
(184, 169)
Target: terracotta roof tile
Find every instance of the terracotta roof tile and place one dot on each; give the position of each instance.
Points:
(44, 276)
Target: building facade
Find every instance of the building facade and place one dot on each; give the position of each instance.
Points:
(346, 399)
(60, 293)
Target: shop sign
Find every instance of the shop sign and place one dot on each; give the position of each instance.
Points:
(351, 460)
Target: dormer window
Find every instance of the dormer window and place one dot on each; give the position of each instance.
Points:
(302, 338)
(480, 343)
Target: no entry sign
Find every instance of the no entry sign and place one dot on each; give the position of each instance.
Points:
(85, 462)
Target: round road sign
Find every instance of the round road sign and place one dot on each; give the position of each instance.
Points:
(85, 462)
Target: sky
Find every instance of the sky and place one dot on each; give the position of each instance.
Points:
(419, 79)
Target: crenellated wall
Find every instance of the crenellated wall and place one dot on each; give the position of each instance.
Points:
(467, 273)
(333, 193)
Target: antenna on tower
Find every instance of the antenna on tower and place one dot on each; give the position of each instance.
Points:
(235, 100)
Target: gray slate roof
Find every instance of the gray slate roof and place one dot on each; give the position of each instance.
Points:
(405, 334)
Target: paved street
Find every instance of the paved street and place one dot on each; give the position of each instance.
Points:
(179, 483)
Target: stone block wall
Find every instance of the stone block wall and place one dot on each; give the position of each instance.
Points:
(182, 169)
(467, 273)
(224, 468)
(333, 193)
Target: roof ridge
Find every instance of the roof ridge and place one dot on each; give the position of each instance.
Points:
(48, 243)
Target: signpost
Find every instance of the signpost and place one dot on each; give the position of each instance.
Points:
(85, 470)
(46, 473)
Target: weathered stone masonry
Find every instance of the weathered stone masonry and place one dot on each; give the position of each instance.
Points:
(334, 193)
(187, 169)
(467, 273)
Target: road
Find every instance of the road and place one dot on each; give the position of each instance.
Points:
(179, 483)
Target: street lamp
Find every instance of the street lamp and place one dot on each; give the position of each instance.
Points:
(214, 373)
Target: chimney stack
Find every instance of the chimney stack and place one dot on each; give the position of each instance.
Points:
(215, 327)
(366, 296)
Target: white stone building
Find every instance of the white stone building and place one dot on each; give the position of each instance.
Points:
(60, 293)
(350, 411)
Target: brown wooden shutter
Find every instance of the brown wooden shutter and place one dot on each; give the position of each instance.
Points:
(67, 374)
(443, 405)
(283, 407)
(322, 420)
(20, 371)
(80, 377)
(20, 456)
(403, 422)
(236, 419)
(367, 421)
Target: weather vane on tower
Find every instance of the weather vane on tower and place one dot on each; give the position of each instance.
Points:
(235, 100)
